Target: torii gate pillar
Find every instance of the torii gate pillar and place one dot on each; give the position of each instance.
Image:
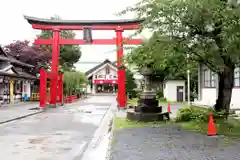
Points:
(55, 57)
(122, 98)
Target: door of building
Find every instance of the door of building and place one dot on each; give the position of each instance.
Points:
(180, 93)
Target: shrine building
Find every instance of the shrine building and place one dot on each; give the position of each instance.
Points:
(102, 78)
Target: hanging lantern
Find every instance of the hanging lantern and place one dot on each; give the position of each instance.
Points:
(87, 35)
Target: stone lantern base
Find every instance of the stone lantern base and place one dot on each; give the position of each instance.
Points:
(147, 109)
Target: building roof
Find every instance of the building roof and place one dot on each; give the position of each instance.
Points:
(100, 65)
(5, 57)
(8, 65)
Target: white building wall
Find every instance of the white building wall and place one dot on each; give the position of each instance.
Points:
(235, 101)
(103, 72)
(208, 96)
(170, 89)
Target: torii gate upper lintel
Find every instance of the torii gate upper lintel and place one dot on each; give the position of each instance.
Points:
(57, 25)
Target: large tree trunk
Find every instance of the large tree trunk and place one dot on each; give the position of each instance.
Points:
(225, 85)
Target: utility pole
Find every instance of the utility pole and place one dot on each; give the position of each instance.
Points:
(188, 81)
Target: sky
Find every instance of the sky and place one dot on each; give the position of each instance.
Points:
(15, 27)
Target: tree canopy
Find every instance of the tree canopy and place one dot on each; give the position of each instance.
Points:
(69, 54)
(207, 30)
(24, 52)
(73, 81)
(130, 83)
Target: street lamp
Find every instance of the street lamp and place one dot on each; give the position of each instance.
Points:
(188, 81)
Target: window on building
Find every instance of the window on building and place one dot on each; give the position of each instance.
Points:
(107, 70)
(209, 78)
(213, 79)
(237, 77)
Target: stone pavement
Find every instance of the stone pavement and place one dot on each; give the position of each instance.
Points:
(61, 133)
(15, 111)
(170, 143)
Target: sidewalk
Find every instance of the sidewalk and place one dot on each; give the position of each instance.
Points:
(18, 111)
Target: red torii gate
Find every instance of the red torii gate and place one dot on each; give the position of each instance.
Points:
(57, 25)
(43, 87)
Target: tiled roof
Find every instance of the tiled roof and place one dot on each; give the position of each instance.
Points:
(8, 64)
(5, 57)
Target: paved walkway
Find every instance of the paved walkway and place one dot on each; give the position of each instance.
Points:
(170, 143)
(13, 111)
(62, 133)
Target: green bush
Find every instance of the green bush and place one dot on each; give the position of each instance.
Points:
(159, 94)
(162, 99)
(196, 114)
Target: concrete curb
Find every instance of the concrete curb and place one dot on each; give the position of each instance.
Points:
(21, 117)
(111, 136)
(97, 135)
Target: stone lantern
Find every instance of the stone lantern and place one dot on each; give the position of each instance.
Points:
(147, 108)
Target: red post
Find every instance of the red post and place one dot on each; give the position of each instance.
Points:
(121, 71)
(43, 89)
(54, 75)
(60, 88)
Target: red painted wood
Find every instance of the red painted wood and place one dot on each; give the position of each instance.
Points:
(95, 41)
(60, 88)
(54, 74)
(121, 72)
(43, 88)
(100, 27)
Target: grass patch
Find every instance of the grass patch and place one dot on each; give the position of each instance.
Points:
(196, 119)
(132, 102)
(123, 123)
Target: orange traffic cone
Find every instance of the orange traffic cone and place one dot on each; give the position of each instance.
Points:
(169, 108)
(211, 126)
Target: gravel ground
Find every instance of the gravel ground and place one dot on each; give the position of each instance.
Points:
(171, 143)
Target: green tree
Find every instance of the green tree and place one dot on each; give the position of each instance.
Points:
(69, 54)
(207, 30)
(73, 81)
(167, 62)
(130, 83)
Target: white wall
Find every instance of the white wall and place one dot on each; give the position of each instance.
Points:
(208, 96)
(235, 101)
(170, 89)
(89, 88)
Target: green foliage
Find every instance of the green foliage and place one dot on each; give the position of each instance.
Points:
(159, 94)
(73, 81)
(130, 84)
(196, 114)
(69, 54)
(162, 99)
(206, 30)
